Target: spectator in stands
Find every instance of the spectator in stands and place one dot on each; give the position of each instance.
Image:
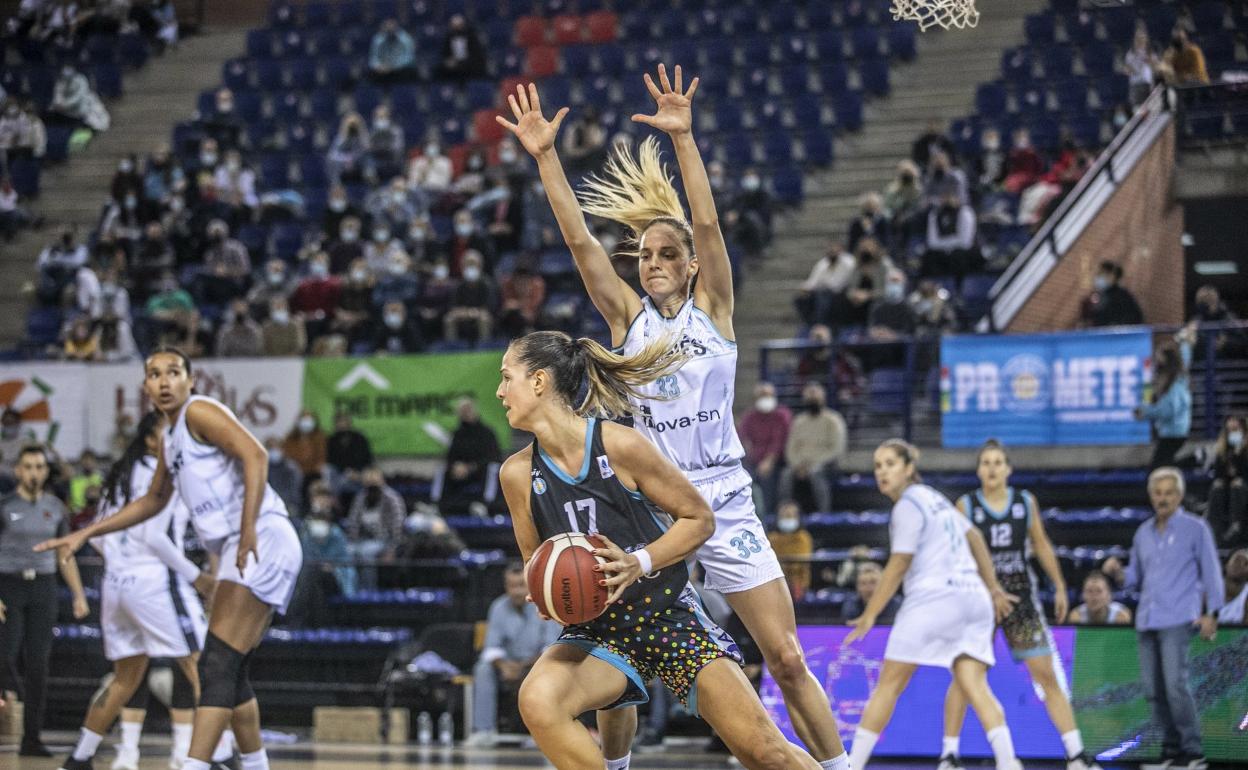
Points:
(172, 309)
(467, 238)
(74, 101)
(387, 146)
(391, 54)
(80, 342)
(284, 335)
(398, 283)
(276, 283)
(122, 221)
(933, 309)
(932, 141)
(398, 333)
(764, 433)
(338, 207)
(463, 55)
(1183, 63)
(307, 444)
(436, 295)
(585, 142)
(111, 299)
(162, 176)
(871, 220)
(470, 472)
(816, 445)
(227, 266)
(1210, 309)
(501, 211)
(1228, 496)
(473, 304)
(515, 635)
(1174, 566)
(13, 125)
(1099, 607)
(235, 183)
(750, 213)
(83, 478)
(326, 572)
(793, 546)
(1024, 165)
(348, 158)
(239, 335)
(944, 178)
(523, 293)
(951, 248)
(990, 164)
(117, 343)
(348, 450)
(426, 535)
(471, 180)
(1047, 192)
(1140, 64)
(866, 580)
(381, 247)
(891, 317)
(58, 263)
(721, 186)
(1236, 579)
(1110, 304)
(316, 297)
(1171, 409)
(868, 281)
(284, 476)
(821, 298)
(127, 180)
(347, 247)
(903, 200)
(431, 171)
(374, 524)
(392, 208)
(833, 368)
(355, 304)
(223, 124)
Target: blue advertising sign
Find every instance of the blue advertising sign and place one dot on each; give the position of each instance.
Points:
(1037, 389)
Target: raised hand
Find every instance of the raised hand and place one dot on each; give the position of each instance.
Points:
(534, 132)
(674, 114)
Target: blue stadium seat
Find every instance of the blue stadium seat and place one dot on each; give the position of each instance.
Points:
(795, 81)
(1111, 89)
(887, 390)
(324, 106)
(274, 170)
(990, 99)
(809, 112)
(287, 106)
(903, 41)
(755, 51)
(236, 74)
(43, 326)
(366, 98)
(830, 45)
(727, 116)
(777, 148)
(866, 41)
(848, 108)
(718, 55)
(303, 73)
(685, 52)
(1098, 59)
(350, 14)
(1209, 15)
(1080, 29)
(671, 24)
(287, 240)
(1039, 28)
(781, 18)
(611, 59)
(1058, 61)
(1072, 95)
(874, 72)
(576, 59)
(384, 9)
(1160, 20)
(58, 143)
(1119, 23)
(254, 237)
(260, 44)
(134, 50)
(100, 49)
(1045, 132)
(741, 20)
(786, 183)
(817, 147)
(820, 16)
(107, 79)
(795, 50)
(1016, 65)
(834, 78)
(736, 147)
(1086, 129)
(318, 15)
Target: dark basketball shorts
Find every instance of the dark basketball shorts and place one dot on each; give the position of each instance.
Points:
(1025, 629)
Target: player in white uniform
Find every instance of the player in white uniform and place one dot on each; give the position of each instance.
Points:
(148, 608)
(688, 415)
(220, 471)
(952, 601)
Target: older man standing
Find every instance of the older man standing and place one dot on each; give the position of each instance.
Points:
(1174, 564)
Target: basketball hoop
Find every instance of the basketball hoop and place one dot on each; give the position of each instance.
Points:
(931, 13)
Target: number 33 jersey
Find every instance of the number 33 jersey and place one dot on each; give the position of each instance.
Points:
(596, 502)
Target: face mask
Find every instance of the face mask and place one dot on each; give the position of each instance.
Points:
(992, 143)
(398, 197)
(475, 164)
(393, 320)
(130, 202)
(1022, 143)
(787, 526)
(765, 404)
(350, 236)
(276, 455)
(1100, 283)
(381, 236)
(750, 183)
(176, 204)
(306, 424)
(507, 155)
(318, 528)
(233, 164)
(208, 159)
(1235, 438)
(812, 406)
(924, 307)
(225, 105)
(472, 273)
(359, 276)
(125, 167)
(907, 178)
(441, 272)
(431, 150)
(417, 234)
(464, 229)
(276, 279)
(280, 316)
(397, 268)
(894, 292)
(338, 205)
(381, 124)
(319, 269)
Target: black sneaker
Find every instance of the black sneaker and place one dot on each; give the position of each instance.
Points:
(33, 747)
(1189, 762)
(227, 764)
(950, 762)
(76, 764)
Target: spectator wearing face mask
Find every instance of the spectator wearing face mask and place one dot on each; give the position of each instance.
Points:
(398, 283)
(162, 176)
(866, 581)
(1110, 304)
(932, 141)
(79, 342)
(381, 246)
(1099, 607)
(584, 143)
(396, 333)
(172, 309)
(1140, 64)
(933, 309)
(326, 571)
(284, 475)
(951, 248)
(471, 181)
(276, 283)
(514, 164)
(73, 101)
(501, 212)
(868, 280)
(338, 207)
(1228, 495)
(821, 298)
(816, 444)
(127, 180)
(463, 55)
(392, 207)
(223, 124)
(1236, 580)
(764, 431)
(386, 143)
(750, 214)
(348, 158)
(420, 242)
(117, 344)
(523, 292)
(355, 305)
(348, 450)
(1023, 166)
(1210, 309)
(431, 171)
(872, 220)
(990, 163)
(13, 216)
(374, 524)
(316, 297)
(391, 54)
(437, 292)
(227, 266)
(239, 335)
(470, 474)
(347, 246)
(467, 237)
(235, 183)
(473, 303)
(943, 177)
(891, 316)
(306, 444)
(284, 335)
(794, 547)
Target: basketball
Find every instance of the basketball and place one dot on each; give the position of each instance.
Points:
(562, 580)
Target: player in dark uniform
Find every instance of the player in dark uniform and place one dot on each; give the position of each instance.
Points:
(585, 474)
(1010, 522)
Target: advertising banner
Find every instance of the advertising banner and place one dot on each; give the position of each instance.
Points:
(50, 398)
(406, 404)
(1045, 389)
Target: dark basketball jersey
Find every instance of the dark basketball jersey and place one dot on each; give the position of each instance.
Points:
(1004, 531)
(596, 502)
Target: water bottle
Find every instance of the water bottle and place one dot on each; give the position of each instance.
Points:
(446, 729)
(424, 729)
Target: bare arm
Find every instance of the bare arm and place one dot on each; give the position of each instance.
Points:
(613, 297)
(1003, 602)
(135, 512)
(514, 478)
(69, 571)
(1048, 561)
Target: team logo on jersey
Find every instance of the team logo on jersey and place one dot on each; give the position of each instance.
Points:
(1019, 510)
(176, 465)
(979, 516)
(604, 467)
(539, 485)
(679, 422)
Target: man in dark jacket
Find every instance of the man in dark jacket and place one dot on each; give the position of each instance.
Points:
(1110, 304)
(467, 477)
(348, 450)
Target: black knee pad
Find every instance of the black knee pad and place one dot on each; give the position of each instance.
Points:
(243, 691)
(141, 697)
(183, 696)
(219, 665)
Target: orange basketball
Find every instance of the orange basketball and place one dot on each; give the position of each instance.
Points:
(562, 580)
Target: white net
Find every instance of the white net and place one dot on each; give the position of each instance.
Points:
(932, 13)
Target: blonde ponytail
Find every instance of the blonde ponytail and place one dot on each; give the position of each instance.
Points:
(613, 379)
(634, 191)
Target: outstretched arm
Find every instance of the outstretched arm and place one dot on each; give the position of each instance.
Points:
(613, 297)
(136, 511)
(674, 116)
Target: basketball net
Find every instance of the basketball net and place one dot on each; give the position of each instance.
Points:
(932, 13)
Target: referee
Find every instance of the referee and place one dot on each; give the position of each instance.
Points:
(28, 600)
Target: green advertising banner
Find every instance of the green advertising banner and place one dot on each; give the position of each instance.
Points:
(406, 404)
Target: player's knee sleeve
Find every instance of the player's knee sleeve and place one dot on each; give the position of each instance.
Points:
(183, 696)
(141, 696)
(243, 691)
(219, 664)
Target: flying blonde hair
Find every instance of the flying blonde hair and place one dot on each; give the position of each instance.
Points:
(634, 191)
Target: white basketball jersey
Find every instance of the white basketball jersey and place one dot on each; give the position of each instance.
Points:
(210, 483)
(942, 557)
(127, 552)
(688, 415)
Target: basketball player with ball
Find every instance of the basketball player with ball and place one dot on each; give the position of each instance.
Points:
(583, 474)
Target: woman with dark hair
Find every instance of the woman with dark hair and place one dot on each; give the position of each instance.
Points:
(1228, 496)
(220, 472)
(946, 618)
(1171, 409)
(687, 279)
(583, 473)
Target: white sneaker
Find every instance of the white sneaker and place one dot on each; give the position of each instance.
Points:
(126, 759)
(1013, 764)
(950, 762)
(482, 739)
(175, 762)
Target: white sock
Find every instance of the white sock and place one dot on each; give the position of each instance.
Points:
(839, 762)
(949, 746)
(256, 760)
(88, 742)
(195, 764)
(619, 764)
(225, 747)
(860, 751)
(130, 732)
(1002, 746)
(181, 741)
(1073, 741)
